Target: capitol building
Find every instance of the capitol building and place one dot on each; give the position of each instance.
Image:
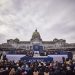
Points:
(37, 43)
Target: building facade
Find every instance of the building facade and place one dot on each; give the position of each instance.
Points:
(37, 43)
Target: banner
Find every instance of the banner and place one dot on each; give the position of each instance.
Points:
(33, 59)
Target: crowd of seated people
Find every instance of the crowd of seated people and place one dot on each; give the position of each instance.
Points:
(67, 67)
(31, 52)
(24, 52)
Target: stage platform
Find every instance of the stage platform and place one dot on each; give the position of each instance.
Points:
(36, 58)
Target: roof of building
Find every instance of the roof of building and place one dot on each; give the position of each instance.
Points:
(48, 42)
(24, 42)
(35, 35)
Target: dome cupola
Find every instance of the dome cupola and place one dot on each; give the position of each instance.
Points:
(36, 35)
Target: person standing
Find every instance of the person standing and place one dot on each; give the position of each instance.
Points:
(35, 72)
(46, 71)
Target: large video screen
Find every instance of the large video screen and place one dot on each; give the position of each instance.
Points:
(37, 48)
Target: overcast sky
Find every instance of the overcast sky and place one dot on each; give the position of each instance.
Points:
(52, 18)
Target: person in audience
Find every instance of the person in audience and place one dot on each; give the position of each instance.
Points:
(46, 72)
(12, 72)
(35, 72)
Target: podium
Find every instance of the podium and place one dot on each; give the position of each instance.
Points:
(36, 53)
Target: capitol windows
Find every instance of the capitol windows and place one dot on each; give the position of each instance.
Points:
(23, 47)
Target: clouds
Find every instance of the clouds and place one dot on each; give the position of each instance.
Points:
(52, 18)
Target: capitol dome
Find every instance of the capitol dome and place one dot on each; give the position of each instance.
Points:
(16, 40)
(36, 35)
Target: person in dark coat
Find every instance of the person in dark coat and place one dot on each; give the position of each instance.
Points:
(57, 71)
(62, 72)
(41, 72)
(74, 71)
(69, 71)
